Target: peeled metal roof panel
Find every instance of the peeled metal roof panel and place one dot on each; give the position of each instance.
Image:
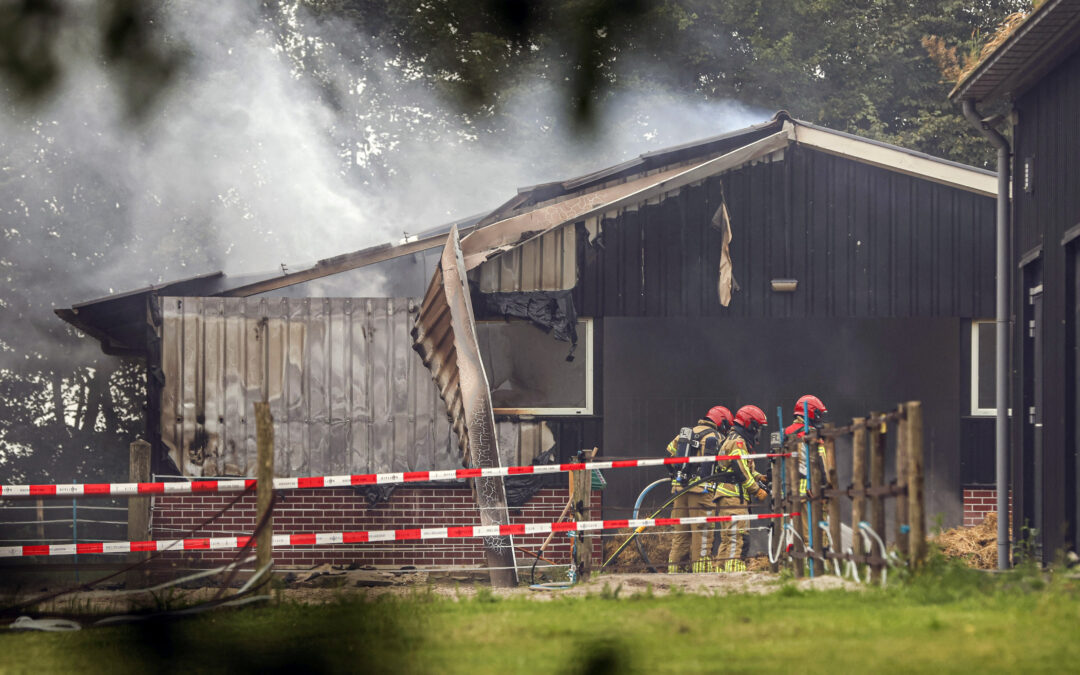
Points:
(504, 235)
(444, 334)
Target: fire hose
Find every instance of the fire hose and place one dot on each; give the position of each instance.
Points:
(639, 530)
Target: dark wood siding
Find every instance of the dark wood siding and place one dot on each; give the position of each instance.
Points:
(1047, 143)
(862, 242)
(869, 247)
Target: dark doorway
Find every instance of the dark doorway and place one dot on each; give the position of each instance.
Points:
(1031, 466)
(1072, 391)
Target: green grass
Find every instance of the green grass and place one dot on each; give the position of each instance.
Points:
(951, 620)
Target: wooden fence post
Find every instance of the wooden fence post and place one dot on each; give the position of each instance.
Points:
(916, 514)
(264, 490)
(138, 510)
(581, 497)
(858, 481)
(796, 506)
(900, 531)
(821, 566)
(877, 482)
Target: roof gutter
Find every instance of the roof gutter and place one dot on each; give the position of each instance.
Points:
(1001, 451)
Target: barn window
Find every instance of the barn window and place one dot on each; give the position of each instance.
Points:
(528, 370)
(983, 339)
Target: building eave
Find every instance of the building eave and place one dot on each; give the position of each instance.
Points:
(1045, 38)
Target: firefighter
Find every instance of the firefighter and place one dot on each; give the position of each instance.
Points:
(733, 495)
(812, 405)
(704, 438)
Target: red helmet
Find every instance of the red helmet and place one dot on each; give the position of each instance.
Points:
(720, 416)
(750, 417)
(812, 404)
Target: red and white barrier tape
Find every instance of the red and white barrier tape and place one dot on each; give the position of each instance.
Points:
(324, 538)
(241, 484)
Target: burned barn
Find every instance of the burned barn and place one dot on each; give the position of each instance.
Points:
(607, 311)
(1034, 74)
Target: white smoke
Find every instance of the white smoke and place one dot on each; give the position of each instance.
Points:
(246, 164)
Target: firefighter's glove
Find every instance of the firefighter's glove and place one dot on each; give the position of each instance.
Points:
(761, 495)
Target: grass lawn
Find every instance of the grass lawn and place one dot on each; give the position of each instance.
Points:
(951, 620)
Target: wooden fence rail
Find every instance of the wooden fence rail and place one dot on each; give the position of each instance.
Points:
(873, 549)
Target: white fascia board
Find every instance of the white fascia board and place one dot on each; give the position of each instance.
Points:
(897, 160)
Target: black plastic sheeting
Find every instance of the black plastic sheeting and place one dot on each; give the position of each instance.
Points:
(551, 311)
(375, 494)
(520, 489)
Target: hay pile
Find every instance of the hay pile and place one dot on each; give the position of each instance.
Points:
(657, 544)
(976, 546)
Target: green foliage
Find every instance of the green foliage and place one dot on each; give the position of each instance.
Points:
(609, 593)
(1025, 551)
(872, 68)
(789, 590)
(647, 594)
(38, 36)
(484, 595)
(942, 580)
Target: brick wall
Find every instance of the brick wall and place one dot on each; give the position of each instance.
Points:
(344, 510)
(980, 500)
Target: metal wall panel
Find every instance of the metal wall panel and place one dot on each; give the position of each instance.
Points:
(861, 241)
(346, 390)
(547, 263)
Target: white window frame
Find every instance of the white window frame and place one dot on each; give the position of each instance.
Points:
(976, 411)
(585, 343)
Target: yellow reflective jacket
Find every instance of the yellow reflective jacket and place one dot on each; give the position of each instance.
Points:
(736, 445)
(798, 429)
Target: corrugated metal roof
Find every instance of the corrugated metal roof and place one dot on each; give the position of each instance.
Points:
(444, 334)
(516, 224)
(347, 393)
(1040, 43)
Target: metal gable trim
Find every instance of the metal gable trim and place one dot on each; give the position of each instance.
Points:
(897, 159)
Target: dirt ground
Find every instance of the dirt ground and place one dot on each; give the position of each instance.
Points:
(324, 585)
